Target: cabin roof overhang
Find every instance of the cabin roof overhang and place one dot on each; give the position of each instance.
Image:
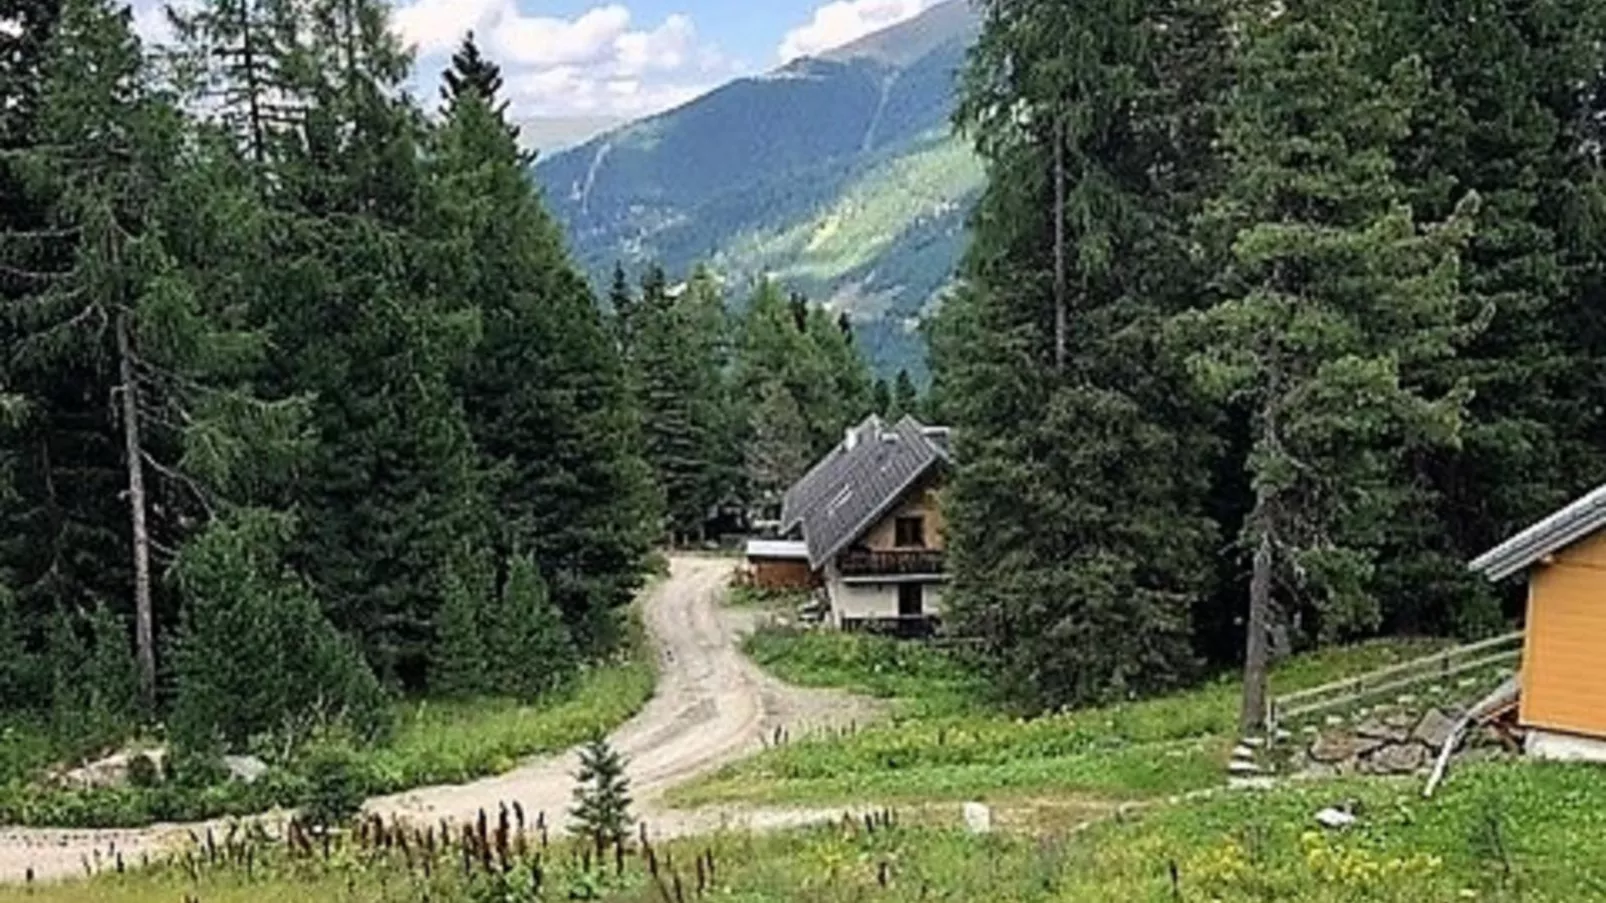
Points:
(1575, 522)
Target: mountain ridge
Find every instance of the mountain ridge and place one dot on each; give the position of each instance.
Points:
(836, 174)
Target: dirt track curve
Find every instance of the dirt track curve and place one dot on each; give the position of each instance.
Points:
(711, 706)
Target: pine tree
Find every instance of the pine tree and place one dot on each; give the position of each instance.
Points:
(1339, 299)
(601, 796)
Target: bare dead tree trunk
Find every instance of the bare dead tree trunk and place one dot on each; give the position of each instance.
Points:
(1061, 314)
(1257, 652)
(133, 448)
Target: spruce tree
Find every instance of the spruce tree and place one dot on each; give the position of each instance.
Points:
(881, 397)
(1077, 523)
(116, 312)
(459, 660)
(905, 397)
(1338, 301)
(546, 394)
(255, 654)
(601, 811)
(530, 647)
(1500, 116)
(472, 73)
(687, 424)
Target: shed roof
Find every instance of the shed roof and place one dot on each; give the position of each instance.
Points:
(1567, 526)
(777, 548)
(865, 478)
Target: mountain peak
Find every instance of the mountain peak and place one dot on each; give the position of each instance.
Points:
(908, 41)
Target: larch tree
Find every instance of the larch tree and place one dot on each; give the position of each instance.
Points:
(123, 298)
(1336, 302)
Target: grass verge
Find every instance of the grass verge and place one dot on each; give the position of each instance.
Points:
(1498, 832)
(947, 743)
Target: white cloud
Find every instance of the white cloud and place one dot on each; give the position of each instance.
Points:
(842, 21)
(436, 26)
(596, 63)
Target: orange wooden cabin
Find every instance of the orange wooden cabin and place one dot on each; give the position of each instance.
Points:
(1563, 676)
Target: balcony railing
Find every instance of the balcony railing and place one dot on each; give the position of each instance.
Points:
(865, 563)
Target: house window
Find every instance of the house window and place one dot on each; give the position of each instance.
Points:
(910, 533)
(911, 600)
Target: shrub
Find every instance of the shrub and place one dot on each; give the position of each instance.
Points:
(143, 771)
(336, 783)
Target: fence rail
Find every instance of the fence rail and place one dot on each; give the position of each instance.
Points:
(1439, 666)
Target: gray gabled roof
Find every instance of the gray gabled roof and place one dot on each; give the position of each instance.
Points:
(865, 479)
(1554, 533)
(813, 488)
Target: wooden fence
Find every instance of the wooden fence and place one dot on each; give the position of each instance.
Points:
(1440, 666)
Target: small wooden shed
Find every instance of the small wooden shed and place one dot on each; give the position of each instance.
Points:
(1563, 558)
(778, 564)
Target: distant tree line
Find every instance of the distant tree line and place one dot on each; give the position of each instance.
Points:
(735, 406)
(1274, 314)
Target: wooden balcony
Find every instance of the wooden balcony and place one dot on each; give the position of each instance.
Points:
(909, 562)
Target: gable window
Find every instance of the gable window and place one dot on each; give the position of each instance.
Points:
(909, 533)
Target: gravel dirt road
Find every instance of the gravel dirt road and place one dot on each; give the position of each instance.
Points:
(711, 706)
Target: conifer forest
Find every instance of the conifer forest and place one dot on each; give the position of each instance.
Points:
(1273, 314)
(305, 406)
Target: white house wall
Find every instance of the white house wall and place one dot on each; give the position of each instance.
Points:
(864, 601)
(1565, 747)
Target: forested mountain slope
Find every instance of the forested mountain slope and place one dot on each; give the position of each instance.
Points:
(838, 175)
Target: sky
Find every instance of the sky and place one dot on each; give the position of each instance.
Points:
(621, 59)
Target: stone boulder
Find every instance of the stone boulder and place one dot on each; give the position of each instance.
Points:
(246, 769)
(1434, 729)
(1375, 729)
(1341, 746)
(1403, 758)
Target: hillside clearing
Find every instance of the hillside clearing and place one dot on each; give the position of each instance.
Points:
(947, 742)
